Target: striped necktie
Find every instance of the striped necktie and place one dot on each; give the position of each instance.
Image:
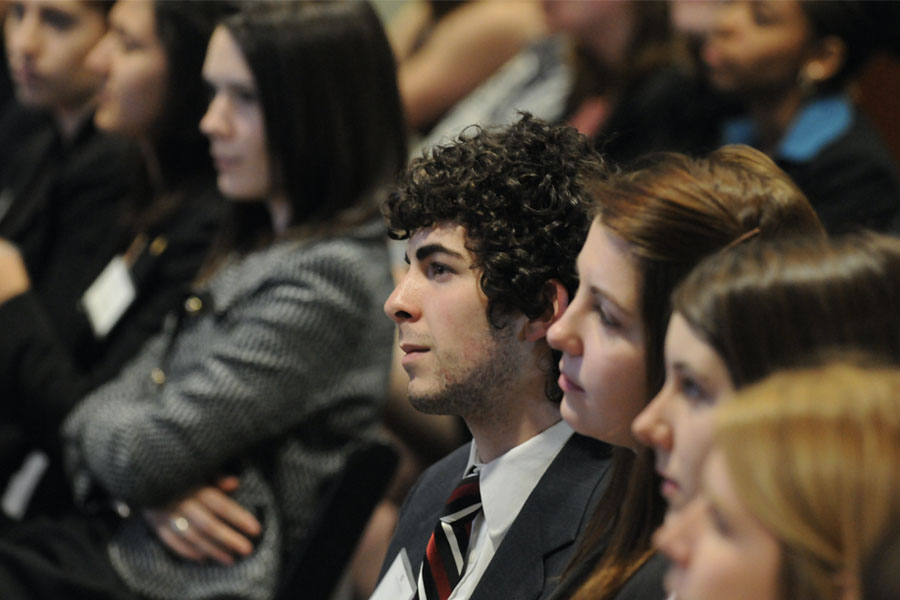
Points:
(445, 555)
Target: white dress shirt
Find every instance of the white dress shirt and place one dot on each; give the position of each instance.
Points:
(505, 484)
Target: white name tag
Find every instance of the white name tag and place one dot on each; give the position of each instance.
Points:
(22, 484)
(109, 297)
(398, 582)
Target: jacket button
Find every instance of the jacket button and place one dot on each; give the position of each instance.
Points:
(158, 376)
(193, 305)
(158, 245)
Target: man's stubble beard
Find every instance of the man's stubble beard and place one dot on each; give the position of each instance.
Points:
(479, 393)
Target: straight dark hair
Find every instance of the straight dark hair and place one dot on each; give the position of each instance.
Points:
(178, 163)
(184, 28)
(326, 79)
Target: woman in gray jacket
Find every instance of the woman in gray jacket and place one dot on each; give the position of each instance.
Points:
(278, 361)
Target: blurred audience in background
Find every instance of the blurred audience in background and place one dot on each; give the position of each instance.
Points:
(274, 365)
(446, 48)
(792, 65)
(616, 70)
(110, 230)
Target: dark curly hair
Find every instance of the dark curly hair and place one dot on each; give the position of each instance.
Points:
(520, 194)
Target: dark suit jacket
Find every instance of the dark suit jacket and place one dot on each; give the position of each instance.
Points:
(852, 182)
(67, 214)
(537, 547)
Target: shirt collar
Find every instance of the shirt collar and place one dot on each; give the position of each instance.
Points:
(818, 123)
(508, 480)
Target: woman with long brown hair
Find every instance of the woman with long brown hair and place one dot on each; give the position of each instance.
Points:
(651, 227)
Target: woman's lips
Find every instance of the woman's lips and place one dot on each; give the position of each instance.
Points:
(567, 385)
(669, 487)
(25, 77)
(225, 163)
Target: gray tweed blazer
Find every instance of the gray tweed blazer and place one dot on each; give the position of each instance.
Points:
(270, 373)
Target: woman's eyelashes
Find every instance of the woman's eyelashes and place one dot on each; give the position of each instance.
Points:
(244, 95)
(58, 19)
(719, 522)
(690, 387)
(601, 307)
(238, 94)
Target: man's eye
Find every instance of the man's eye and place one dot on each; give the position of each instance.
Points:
(438, 270)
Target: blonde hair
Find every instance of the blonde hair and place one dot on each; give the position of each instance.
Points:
(815, 455)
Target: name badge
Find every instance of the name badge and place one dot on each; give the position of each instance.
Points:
(398, 582)
(22, 484)
(109, 297)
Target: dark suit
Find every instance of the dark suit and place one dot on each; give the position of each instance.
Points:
(537, 547)
(64, 204)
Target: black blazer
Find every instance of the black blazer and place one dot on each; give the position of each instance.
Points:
(537, 547)
(853, 182)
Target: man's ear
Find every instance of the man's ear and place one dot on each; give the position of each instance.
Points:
(536, 329)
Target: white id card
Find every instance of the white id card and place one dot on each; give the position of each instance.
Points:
(22, 484)
(398, 582)
(109, 297)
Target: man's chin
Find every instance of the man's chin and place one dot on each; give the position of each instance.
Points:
(430, 404)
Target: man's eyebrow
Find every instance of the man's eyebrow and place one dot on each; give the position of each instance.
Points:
(427, 250)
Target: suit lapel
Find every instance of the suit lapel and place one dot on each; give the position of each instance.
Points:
(548, 524)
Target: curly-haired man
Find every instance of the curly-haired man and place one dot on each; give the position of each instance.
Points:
(493, 225)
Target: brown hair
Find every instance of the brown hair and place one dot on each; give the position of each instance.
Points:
(673, 212)
(770, 306)
(813, 455)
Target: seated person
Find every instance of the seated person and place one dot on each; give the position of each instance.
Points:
(752, 310)
(796, 490)
(652, 226)
(792, 65)
(277, 362)
(493, 223)
(104, 256)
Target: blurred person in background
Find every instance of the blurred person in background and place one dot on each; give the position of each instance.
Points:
(792, 65)
(109, 232)
(616, 70)
(276, 363)
(447, 48)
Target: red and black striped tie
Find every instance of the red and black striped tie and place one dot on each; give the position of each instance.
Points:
(445, 555)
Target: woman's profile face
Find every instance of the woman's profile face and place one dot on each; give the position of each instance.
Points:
(601, 336)
(757, 47)
(234, 122)
(46, 45)
(133, 63)
(719, 550)
(678, 422)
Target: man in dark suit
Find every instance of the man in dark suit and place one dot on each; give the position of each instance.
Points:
(493, 225)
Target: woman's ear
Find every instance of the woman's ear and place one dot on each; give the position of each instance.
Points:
(825, 61)
(536, 329)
